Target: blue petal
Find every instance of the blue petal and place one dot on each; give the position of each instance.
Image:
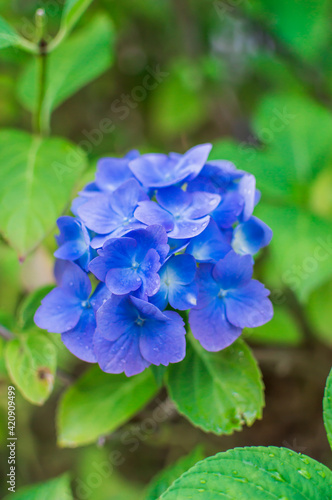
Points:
(210, 326)
(176, 283)
(148, 272)
(208, 288)
(174, 199)
(229, 209)
(98, 215)
(233, 271)
(149, 212)
(153, 236)
(79, 340)
(250, 236)
(183, 297)
(100, 296)
(125, 198)
(115, 317)
(188, 228)
(73, 279)
(215, 177)
(177, 245)
(164, 342)
(249, 306)
(202, 204)
(209, 246)
(247, 189)
(156, 170)
(122, 355)
(160, 299)
(180, 269)
(59, 312)
(112, 172)
(117, 252)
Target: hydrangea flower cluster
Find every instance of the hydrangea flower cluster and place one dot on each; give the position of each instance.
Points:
(160, 233)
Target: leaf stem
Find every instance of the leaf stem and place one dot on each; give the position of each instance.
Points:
(5, 333)
(41, 126)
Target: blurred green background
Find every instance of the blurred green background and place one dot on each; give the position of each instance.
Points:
(254, 78)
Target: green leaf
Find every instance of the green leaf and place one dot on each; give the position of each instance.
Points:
(180, 102)
(159, 373)
(318, 309)
(72, 11)
(31, 363)
(218, 392)
(302, 26)
(55, 489)
(327, 408)
(37, 177)
(296, 133)
(256, 473)
(302, 263)
(282, 329)
(299, 131)
(98, 403)
(165, 478)
(78, 61)
(8, 36)
(30, 305)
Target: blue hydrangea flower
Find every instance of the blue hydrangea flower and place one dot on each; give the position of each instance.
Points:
(167, 230)
(73, 241)
(228, 301)
(132, 262)
(250, 236)
(209, 246)
(177, 285)
(68, 309)
(132, 334)
(113, 214)
(158, 170)
(183, 214)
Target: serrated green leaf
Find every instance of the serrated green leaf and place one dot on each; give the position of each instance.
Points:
(72, 11)
(327, 408)
(218, 392)
(31, 363)
(98, 403)
(254, 473)
(30, 305)
(37, 177)
(8, 36)
(165, 478)
(55, 489)
(78, 61)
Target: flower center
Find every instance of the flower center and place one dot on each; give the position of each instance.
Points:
(85, 304)
(140, 321)
(135, 265)
(222, 293)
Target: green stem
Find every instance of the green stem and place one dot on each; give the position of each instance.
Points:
(41, 126)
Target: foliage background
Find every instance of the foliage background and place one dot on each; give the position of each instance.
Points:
(255, 78)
